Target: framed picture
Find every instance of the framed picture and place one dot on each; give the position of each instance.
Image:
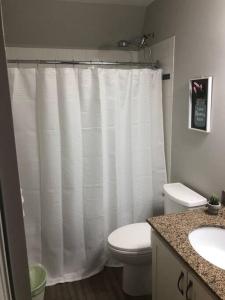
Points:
(200, 101)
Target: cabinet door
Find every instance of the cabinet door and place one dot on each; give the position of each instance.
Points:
(196, 290)
(169, 276)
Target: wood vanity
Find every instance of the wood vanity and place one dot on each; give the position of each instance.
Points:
(178, 271)
(172, 278)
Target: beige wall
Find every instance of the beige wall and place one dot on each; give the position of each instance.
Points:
(199, 26)
(10, 196)
(70, 54)
(66, 24)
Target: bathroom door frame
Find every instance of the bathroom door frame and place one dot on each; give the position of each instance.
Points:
(14, 266)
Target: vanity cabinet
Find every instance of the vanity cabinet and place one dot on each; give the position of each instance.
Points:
(171, 279)
(197, 290)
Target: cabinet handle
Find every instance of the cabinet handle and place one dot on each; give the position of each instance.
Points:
(190, 284)
(178, 283)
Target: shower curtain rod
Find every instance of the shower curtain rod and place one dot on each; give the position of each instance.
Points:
(88, 63)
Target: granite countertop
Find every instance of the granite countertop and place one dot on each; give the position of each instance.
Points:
(174, 229)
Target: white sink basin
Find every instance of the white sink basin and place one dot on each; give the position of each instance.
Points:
(209, 242)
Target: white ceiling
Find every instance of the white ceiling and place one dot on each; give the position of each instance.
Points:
(118, 2)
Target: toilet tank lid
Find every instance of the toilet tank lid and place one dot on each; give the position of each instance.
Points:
(181, 194)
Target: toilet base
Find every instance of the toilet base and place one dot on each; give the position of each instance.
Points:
(137, 280)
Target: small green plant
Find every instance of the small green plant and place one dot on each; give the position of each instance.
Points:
(214, 200)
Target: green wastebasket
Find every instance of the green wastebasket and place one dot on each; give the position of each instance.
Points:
(38, 277)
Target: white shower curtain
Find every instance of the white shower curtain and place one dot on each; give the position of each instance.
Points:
(90, 150)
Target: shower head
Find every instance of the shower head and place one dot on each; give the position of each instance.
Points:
(142, 42)
(138, 43)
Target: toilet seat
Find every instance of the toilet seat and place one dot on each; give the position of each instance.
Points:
(130, 253)
(131, 239)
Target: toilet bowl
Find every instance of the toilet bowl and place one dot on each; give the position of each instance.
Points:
(131, 245)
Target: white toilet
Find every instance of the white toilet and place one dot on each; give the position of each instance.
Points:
(131, 244)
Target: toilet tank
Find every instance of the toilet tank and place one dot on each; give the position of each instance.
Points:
(179, 198)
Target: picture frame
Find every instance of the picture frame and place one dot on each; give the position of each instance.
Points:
(200, 103)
